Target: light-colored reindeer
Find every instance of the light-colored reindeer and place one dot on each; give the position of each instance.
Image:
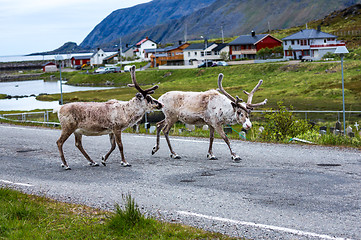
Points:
(211, 108)
(100, 118)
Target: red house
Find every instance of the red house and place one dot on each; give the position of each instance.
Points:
(78, 61)
(49, 67)
(247, 46)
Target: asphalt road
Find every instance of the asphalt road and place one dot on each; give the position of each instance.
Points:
(276, 192)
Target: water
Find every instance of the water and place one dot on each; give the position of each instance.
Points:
(22, 58)
(34, 87)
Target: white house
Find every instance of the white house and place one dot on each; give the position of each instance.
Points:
(309, 44)
(98, 57)
(197, 53)
(145, 43)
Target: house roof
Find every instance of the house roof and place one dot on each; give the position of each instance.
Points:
(200, 46)
(143, 40)
(309, 34)
(248, 39)
(48, 63)
(166, 49)
(220, 47)
(81, 57)
(111, 56)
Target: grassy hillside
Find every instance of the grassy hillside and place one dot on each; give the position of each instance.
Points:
(306, 86)
(345, 23)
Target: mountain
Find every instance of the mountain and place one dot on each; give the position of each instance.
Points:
(167, 20)
(69, 47)
(139, 18)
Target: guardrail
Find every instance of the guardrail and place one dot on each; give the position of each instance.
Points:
(25, 116)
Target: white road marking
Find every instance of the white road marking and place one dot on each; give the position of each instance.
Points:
(19, 184)
(269, 227)
(25, 128)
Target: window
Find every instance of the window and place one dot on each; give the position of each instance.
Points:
(285, 43)
(195, 53)
(189, 54)
(292, 42)
(202, 54)
(324, 41)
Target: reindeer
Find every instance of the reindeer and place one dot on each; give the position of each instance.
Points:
(100, 118)
(210, 108)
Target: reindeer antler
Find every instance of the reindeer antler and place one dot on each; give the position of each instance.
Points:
(249, 105)
(250, 96)
(229, 96)
(136, 85)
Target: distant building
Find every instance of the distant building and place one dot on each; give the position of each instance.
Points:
(79, 61)
(129, 52)
(199, 52)
(172, 55)
(112, 58)
(98, 57)
(140, 47)
(247, 46)
(49, 67)
(310, 44)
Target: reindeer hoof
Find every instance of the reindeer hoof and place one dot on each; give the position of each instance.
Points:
(154, 150)
(125, 164)
(211, 157)
(94, 164)
(104, 164)
(65, 167)
(175, 156)
(236, 159)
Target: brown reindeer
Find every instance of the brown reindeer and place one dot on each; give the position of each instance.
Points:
(100, 118)
(211, 108)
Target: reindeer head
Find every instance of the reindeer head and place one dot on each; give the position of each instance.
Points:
(241, 109)
(144, 95)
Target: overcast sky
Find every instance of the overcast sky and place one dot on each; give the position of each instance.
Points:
(29, 26)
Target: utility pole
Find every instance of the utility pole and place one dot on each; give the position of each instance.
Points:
(222, 34)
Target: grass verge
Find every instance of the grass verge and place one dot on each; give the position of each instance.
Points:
(25, 216)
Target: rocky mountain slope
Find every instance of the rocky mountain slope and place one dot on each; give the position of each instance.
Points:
(169, 20)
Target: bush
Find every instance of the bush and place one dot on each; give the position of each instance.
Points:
(283, 125)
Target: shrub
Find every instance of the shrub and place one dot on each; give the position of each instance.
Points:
(282, 125)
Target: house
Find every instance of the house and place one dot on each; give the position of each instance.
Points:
(172, 55)
(247, 46)
(309, 44)
(145, 43)
(129, 52)
(112, 58)
(98, 57)
(49, 67)
(199, 52)
(79, 61)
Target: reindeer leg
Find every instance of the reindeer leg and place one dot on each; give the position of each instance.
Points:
(79, 145)
(112, 142)
(118, 139)
(63, 137)
(220, 131)
(210, 155)
(166, 130)
(160, 126)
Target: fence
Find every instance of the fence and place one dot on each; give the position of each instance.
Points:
(23, 117)
(351, 116)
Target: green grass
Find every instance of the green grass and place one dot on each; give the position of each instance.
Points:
(305, 86)
(25, 216)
